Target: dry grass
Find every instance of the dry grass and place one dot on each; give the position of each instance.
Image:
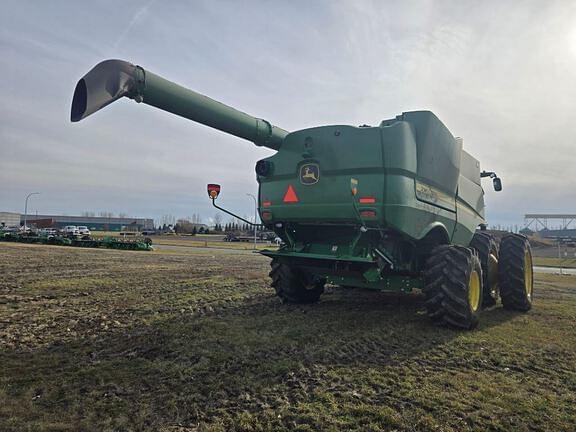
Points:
(555, 262)
(114, 340)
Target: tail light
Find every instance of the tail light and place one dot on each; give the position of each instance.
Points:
(368, 214)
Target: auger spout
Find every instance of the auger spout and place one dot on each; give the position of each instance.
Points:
(111, 80)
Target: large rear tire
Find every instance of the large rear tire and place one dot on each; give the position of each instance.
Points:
(293, 285)
(515, 273)
(487, 249)
(453, 286)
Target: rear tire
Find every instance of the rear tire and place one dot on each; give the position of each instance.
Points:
(487, 248)
(453, 286)
(293, 285)
(515, 273)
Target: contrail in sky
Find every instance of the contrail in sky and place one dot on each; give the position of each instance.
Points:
(143, 10)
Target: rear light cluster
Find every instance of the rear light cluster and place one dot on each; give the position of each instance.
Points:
(367, 214)
(266, 215)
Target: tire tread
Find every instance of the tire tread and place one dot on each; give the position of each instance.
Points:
(446, 286)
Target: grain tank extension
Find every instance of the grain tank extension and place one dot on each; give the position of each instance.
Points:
(395, 206)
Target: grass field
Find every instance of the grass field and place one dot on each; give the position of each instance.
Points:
(554, 262)
(194, 340)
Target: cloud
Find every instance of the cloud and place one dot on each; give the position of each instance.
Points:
(138, 16)
(499, 74)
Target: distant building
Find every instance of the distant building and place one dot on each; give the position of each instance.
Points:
(558, 234)
(9, 219)
(94, 223)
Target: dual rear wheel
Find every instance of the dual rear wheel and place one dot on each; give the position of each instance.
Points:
(453, 286)
(460, 281)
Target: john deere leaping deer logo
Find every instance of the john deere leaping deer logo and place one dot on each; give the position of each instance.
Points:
(309, 174)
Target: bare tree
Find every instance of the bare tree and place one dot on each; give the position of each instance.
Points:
(168, 219)
(184, 226)
(88, 214)
(122, 215)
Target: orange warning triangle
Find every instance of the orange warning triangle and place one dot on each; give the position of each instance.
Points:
(290, 195)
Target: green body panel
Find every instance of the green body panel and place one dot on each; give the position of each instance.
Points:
(342, 153)
(414, 186)
(390, 165)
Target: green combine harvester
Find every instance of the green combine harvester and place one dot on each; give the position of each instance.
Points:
(391, 207)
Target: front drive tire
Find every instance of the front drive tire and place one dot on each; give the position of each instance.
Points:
(453, 286)
(293, 285)
(515, 273)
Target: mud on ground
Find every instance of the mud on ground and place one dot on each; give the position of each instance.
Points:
(195, 340)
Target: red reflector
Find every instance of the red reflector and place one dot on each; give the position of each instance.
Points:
(266, 203)
(367, 200)
(290, 195)
(266, 215)
(368, 213)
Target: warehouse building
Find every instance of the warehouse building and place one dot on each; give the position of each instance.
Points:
(9, 219)
(557, 234)
(94, 223)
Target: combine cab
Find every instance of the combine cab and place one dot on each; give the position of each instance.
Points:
(393, 207)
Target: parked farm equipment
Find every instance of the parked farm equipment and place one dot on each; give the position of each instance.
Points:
(86, 241)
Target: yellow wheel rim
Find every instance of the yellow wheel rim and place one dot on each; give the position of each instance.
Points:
(474, 291)
(528, 280)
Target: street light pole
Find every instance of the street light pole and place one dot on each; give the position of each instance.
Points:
(255, 216)
(26, 207)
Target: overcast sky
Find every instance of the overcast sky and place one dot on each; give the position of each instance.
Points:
(501, 74)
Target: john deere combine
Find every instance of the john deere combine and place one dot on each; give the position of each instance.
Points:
(391, 207)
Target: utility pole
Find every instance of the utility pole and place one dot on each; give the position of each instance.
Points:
(559, 258)
(255, 216)
(26, 207)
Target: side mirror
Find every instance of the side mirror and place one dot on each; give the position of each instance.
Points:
(213, 191)
(497, 184)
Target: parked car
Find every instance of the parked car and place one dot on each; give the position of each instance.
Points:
(11, 229)
(48, 232)
(83, 230)
(267, 235)
(71, 230)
